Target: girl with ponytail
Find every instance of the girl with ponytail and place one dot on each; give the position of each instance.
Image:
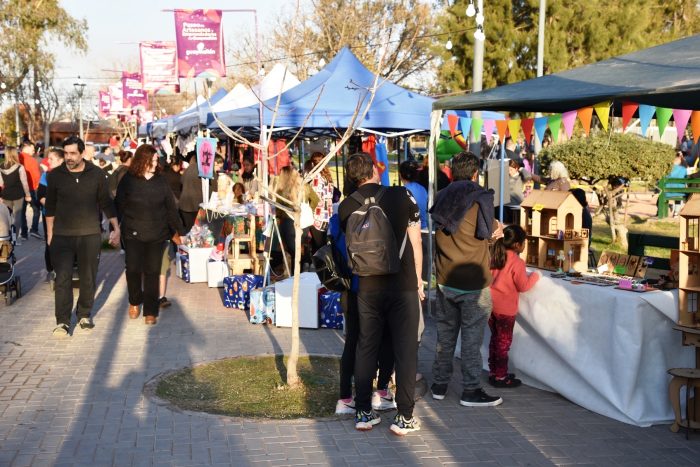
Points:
(509, 279)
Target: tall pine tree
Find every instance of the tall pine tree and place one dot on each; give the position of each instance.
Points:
(577, 33)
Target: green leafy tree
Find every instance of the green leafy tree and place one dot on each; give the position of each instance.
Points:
(611, 157)
(576, 33)
(614, 155)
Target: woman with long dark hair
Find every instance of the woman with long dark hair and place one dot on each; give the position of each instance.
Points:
(149, 217)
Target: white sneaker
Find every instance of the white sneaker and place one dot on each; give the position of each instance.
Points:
(344, 408)
(383, 400)
(60, 331)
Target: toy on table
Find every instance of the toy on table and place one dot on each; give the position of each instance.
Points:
(561, 258)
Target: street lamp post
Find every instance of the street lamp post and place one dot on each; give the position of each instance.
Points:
(80, 89)
(478, 66)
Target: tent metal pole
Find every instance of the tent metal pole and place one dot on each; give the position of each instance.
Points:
(398, 161)
(501, 188)
(435, 121)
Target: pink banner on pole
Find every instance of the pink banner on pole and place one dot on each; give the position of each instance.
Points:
(116, 94)
(200, 43)
(132, 90)
(105, 103)
(158, 66)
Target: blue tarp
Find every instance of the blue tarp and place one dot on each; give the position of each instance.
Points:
(329, 99)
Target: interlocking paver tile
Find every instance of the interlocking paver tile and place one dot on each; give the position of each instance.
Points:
(80, 401)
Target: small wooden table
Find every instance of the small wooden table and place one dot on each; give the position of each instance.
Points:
(690, 378)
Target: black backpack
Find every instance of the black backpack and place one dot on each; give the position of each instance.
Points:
(370, 239)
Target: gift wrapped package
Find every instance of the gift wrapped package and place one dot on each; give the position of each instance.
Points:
(262, 305)
(216, 272)
(184, 266)
(237, 290)
(330, 315)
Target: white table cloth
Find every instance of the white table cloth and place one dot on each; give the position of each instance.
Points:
(604, 349)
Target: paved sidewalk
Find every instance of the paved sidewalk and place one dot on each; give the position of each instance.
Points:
(80, 401)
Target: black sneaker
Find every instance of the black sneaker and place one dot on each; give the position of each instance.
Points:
(163, 302)
(364, 421)
(402, 426)
(439, 391)
(509, 381)
(478, 398)
(86, 323)
(36, 235)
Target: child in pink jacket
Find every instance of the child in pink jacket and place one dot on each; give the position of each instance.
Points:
(509, 279)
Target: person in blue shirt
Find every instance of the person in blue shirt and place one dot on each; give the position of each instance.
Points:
(679, 170)
(408, 171)
(55, 158)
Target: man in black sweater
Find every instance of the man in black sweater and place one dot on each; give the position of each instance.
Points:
(76, 193)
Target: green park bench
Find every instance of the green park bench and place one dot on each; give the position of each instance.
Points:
(688, 186)
(637, 242)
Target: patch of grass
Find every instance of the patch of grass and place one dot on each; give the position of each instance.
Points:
(602, 238)
(254, 387)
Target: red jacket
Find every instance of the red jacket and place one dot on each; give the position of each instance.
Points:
(508, 283)
(31, 166)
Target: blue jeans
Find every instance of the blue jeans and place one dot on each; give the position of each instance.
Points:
(35, 217)
(467, 312)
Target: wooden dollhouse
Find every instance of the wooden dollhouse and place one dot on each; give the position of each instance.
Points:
(552, 220)
(689, 264)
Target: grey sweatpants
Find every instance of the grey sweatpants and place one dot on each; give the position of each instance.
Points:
(468, 312)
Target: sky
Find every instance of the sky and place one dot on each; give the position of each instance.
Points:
(116, 27)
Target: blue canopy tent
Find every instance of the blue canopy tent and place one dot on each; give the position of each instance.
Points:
(328, 100)
(197, 114)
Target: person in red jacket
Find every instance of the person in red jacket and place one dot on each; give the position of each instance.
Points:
(31, 166)
(509, 279)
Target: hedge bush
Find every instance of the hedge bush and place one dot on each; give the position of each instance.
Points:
(611, 155)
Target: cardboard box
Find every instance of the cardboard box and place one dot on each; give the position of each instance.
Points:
(216, 271)
(308, 301)
(198, 260)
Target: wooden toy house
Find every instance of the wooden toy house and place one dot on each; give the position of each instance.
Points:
(689, 264)
(552, 221)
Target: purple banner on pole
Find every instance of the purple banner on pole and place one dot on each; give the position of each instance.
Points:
(200, 43)
(158, 66)
(132, 89)
(206, 151)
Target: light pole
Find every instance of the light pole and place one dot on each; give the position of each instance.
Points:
(80, 89)
(540, 65)
(478, 65)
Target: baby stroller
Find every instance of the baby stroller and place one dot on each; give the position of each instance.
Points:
(10, 284)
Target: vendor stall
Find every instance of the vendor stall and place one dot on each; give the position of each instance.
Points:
(602, 348)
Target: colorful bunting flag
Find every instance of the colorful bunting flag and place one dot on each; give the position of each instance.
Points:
(695, 125)
(465, 124)
(452, 120)
(488, 129)
(526, 125)
(602, 110)
(568, 119)
(540, 127)
(646, 113)
(628, 110)
(514, 128)
(585, 115)
(476, 128)
(663, 115)
(502, 126)
(681, 117)
(554, 125)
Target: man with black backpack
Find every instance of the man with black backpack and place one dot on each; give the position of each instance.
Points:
(382, 234)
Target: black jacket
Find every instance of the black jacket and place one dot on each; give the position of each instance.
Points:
(75, 199)
(147, 209)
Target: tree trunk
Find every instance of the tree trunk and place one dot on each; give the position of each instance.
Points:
(293, 380)
(47, 134)
(611, 214)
